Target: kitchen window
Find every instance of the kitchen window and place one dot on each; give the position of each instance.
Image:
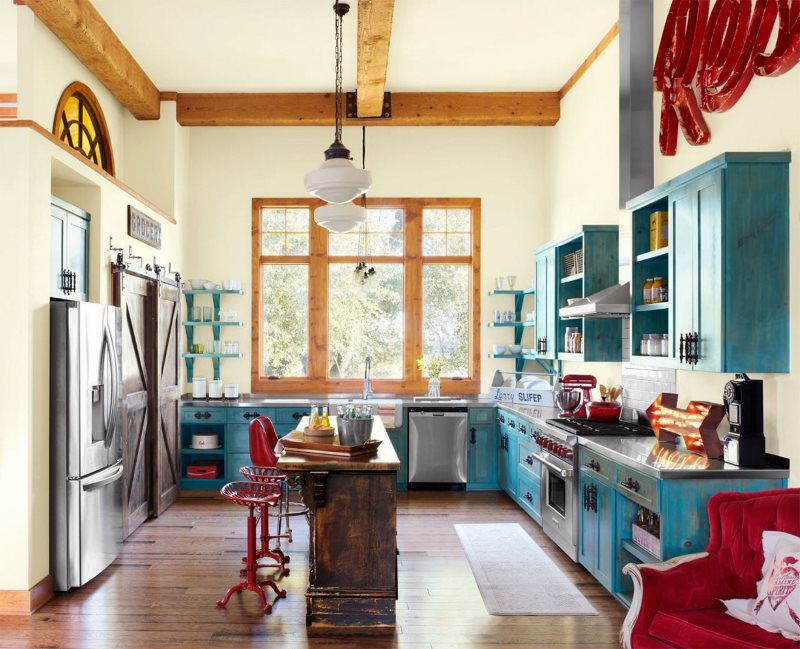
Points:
(315, 321)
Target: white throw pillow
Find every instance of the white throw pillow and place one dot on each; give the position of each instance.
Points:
(776, 607)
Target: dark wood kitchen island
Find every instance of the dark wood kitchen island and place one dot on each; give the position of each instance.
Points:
(352, 583)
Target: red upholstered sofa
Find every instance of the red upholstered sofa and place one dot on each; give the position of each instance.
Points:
(677, 603)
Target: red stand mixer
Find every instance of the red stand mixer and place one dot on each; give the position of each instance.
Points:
(581, 382)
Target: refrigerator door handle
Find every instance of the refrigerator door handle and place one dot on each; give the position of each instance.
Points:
(111, 423)
(103, 481)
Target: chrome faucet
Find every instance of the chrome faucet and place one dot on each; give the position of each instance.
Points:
(366, 393)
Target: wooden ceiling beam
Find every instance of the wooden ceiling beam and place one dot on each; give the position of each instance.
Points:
(88, 36)
(408, 109)
(374, 34)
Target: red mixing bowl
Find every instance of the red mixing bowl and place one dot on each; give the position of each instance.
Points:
(607, 411)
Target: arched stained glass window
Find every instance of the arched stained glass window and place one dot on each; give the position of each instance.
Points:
(79, 123)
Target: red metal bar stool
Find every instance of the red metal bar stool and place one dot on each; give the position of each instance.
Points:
(263, 441)
(252, 495)
(274, 477)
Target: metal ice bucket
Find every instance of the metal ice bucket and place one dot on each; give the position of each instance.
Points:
(354, 432)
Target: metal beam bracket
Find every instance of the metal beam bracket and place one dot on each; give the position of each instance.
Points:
(351, 106)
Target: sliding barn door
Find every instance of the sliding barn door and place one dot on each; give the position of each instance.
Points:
(136, 299)
(151, 392)
(167, 387)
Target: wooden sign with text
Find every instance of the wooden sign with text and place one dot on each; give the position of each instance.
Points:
(143, 228)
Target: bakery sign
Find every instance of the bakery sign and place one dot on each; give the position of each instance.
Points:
(707, 59)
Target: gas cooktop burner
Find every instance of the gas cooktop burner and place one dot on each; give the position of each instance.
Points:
(586, 428)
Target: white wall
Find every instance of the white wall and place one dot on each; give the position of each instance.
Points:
(501, 166)
(583, 169)
(8, 47)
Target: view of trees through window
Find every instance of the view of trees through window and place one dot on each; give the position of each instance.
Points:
(319, 320)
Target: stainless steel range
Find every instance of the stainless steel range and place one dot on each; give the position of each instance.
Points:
(557, 441)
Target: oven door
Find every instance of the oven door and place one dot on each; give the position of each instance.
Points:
(558, 503)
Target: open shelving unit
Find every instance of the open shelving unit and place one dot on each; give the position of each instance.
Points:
(216, 326)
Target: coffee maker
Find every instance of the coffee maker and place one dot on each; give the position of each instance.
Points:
(744, 404)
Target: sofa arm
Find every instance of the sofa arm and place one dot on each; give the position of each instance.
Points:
(666, 586)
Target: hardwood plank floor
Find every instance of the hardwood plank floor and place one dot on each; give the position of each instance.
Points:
(161, 591)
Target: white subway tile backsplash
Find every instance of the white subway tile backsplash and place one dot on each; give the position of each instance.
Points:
(641, 385)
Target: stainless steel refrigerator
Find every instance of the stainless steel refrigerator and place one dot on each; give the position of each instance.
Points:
(85, 441)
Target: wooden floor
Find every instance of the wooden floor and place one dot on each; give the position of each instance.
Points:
(161, 592)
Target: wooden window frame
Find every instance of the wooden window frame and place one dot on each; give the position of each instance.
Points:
(87, 97)
(318, 262)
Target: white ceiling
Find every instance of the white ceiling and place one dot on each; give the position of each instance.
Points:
(287, 45)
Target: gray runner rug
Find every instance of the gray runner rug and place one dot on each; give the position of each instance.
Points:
(514, 574)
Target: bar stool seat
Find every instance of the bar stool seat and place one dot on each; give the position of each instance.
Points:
(270, 476)
(252, 495)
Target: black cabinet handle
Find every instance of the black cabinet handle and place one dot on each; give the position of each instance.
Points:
(297, 416)
(682, 349)
(502, 419)
(631, 484)
(529, 496)
(523, 429)
(594, 465)
(471, 435)
(586, 498)
(250, 415)
(511, 423)
(529, 459)
(202, 415)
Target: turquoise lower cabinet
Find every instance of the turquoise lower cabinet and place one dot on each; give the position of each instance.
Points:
(596, 536)
(286, 419)
(482, 459)
(507, 470)
(528, 494)
(200, 421)
(399, 439)
(234, 462)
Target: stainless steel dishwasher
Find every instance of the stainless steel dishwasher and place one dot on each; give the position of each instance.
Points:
(437, 448)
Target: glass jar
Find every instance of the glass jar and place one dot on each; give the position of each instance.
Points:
(313, 421)
(644, 348)
(665, 344)
(569, 339)
(656, 290)
(647, 291)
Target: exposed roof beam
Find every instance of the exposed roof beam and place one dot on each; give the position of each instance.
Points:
(587, 63)
(408, 109)
(8, 105)
(374, 34)
(82, 29)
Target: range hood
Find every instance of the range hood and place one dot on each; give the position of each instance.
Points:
(611, 302)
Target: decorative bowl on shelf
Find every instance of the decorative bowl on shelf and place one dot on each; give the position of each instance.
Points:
(209, 285)
(515, 349)
(197, 284)
(498, 349)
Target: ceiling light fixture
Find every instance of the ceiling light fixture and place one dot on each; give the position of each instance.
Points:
(337, 181)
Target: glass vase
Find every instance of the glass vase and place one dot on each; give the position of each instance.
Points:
(433, 387)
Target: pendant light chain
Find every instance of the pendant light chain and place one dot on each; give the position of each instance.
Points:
(338, 88)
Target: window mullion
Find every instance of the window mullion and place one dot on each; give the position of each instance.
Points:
(318, 304)
(412, 300)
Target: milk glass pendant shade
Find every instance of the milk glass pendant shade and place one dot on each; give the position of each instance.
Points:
(340, 217)
(338, 181)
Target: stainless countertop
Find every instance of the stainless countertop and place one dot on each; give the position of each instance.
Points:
(662, 461)
(307, 400)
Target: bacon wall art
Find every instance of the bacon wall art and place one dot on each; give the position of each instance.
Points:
(707, 59)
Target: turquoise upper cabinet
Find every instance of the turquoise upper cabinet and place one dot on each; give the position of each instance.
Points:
(726, 265)
(546, 302)
(560, 278)
(69, 251)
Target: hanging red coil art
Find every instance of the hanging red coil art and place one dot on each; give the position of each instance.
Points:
(706, 61)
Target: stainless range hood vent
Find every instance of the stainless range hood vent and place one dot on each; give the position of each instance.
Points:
(612, 302)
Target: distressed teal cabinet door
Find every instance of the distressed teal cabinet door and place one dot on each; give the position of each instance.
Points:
(546, 301)
(596, 542)
(682, 272)
(482, 458)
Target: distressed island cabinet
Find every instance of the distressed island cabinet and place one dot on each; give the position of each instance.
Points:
(726, 264)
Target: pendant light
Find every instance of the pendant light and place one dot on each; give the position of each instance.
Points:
(337, 181)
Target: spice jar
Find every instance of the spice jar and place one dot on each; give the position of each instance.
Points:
(647, 291)
(569, 339)
(656, 295)
(644, 348)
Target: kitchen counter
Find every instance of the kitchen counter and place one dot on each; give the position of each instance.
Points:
(307, 400)
(352, 576)
(662, 461)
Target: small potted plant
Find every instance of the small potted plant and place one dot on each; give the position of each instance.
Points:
(433, 368)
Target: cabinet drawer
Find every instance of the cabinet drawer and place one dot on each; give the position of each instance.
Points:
(528, 497)
(597, 466)
(482, 416)
(246, 415)
(638, 487)
(193, 415)
(290, 415)
(528, 463)
(237, 438)
(284, 429)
